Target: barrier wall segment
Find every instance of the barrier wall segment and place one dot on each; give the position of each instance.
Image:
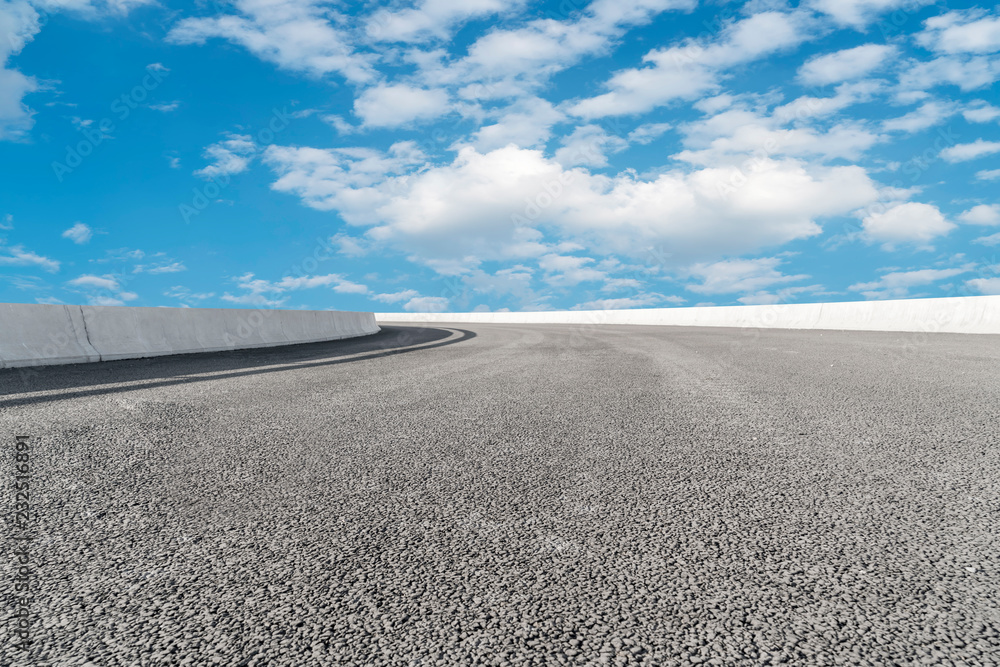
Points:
(37, 335)
(972, 314)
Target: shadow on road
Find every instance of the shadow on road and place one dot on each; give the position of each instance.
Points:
(131, 374)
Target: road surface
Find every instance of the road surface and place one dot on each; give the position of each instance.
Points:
(516, 495)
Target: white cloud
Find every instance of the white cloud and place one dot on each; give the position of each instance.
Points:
(123, 255)
(739, 275)
(693, 69)
(625, 303)
(259, 292)
(78, 233)
(350, 246)
(344, 286)
(7, 222)
(735, 134)
(988, 175)
(505, 63)
(186, 296)
(633, 12)
(336, 282)
(981, 112)
(354, 181)
(426, 304)
(765, 298)
(910, 222)
(166, 107)
(106, 282)
(588, 146)
(433, 19)
(928, 115)
(396, 297)
(230, 156)
(987, 286)
(541, 47)
(19, 23)
(339, 124)
(968, 73)
(961, 32)
(991, 240)
(897, 284)
(754, 37)
(478, 205)
(740, 131)
(619, 284)
(527, 124)
(639, 90)
(293, 34)
(568, 271)
(92, 9)
(647, 133)
(18, 256)
(964, 152)
(27, 283)
(983, 214)
(714, 104)
(395, 105)
(858, 13)
(15, 118)
(846, 65)
(105, 301)
(253, 299)
(515, 281)
(173, 267)
(809, 108)
(103, 290)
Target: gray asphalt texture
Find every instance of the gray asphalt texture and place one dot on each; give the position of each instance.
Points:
(518, 495)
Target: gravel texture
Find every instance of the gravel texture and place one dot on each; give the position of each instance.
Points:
(517, 495)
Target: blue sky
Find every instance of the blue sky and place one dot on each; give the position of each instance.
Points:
(455, 155)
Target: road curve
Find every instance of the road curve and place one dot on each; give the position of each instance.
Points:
(517, 495)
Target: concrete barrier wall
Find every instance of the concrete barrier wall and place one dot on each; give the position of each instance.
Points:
(972, 314)
(35, 335)
(31, 335)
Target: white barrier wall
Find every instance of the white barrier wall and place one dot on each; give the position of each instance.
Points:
(970, 314)
(36, 335)
(29, 333)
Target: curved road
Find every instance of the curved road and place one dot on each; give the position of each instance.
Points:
(517, 495)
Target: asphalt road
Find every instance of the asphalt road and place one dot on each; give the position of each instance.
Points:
(515, 495)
